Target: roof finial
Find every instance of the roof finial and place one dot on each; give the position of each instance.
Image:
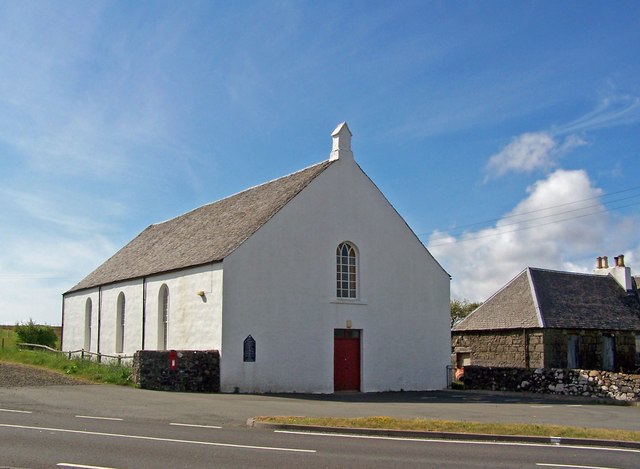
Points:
(341, 148)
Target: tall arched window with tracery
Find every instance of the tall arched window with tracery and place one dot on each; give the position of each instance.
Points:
(120, 323)
(87, 324)
(163, 317)
(346, 270)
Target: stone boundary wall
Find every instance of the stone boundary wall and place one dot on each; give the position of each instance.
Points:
(195, 370)
(588, 383)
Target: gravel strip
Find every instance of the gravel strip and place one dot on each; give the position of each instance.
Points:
(18, 375)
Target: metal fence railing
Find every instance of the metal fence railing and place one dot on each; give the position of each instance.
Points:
(82, 354)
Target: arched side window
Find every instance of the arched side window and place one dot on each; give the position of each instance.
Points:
(87, 324)
(120, 323)
(163, 318)
(346, 271)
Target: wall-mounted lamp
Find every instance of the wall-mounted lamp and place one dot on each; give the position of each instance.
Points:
(200, 293)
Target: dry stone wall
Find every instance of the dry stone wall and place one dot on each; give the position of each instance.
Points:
(194, 371)
(588, 383)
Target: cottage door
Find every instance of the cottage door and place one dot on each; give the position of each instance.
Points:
(346, 360)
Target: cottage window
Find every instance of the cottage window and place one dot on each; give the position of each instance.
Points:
(163, 315)
(463, 359)
(608, 353)
(87, 324)
(346, 271)
(120, 324)
(573, 351)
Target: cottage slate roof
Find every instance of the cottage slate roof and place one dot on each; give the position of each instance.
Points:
(207, 234)
(538, 298)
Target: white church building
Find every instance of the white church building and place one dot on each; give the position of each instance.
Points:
(308, 283)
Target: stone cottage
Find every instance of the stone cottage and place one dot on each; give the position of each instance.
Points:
(308, 283)
(552, 319)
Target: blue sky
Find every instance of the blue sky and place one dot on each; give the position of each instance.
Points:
(506, 133)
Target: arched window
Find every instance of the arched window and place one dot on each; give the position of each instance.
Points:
(120, 324)
(346, 271)
(87, 324)
(163, 317)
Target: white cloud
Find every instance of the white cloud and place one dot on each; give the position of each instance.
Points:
(532, 234)
(524, 154)
(611, 111)
(529, 152)
(541, 150)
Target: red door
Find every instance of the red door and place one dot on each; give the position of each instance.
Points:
(346, 360)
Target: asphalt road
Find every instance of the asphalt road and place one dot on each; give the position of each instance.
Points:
(116, 427)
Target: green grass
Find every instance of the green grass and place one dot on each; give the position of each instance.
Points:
(11, 338)
(87, 370)
(460, 427)
(8, 337)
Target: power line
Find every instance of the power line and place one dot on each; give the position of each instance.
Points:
(491, 220)
(527, 227)
(528, 220)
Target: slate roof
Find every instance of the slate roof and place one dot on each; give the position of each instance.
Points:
(207, 234)
(538, 298)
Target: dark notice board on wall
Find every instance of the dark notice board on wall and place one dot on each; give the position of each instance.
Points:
(249, 349)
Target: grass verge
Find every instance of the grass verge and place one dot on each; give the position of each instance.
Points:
(8, 337)
(111, 373)
(428, 425)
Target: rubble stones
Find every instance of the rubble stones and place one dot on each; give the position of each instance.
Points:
(196, 370)
(569, 382)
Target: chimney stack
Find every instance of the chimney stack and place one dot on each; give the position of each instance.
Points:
(618, 271)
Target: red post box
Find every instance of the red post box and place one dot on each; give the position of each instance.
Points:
(173, 360)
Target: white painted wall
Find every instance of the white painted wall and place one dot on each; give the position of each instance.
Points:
(194, 321)
(279, 287)
(74, 320)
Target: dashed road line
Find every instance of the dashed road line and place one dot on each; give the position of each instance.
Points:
(169, 440)
(97, 418)
(572, 466)
(193, 425)
(16, 411)
(82, 466)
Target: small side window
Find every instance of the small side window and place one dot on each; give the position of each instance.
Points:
(120, 323)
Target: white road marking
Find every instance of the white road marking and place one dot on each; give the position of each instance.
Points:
(16, 411)
(153, 438)
(459, 442)
(82, 466)
(574, 405)
(193, 425)
(541, 406)
(570, 466)
(97, 418)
